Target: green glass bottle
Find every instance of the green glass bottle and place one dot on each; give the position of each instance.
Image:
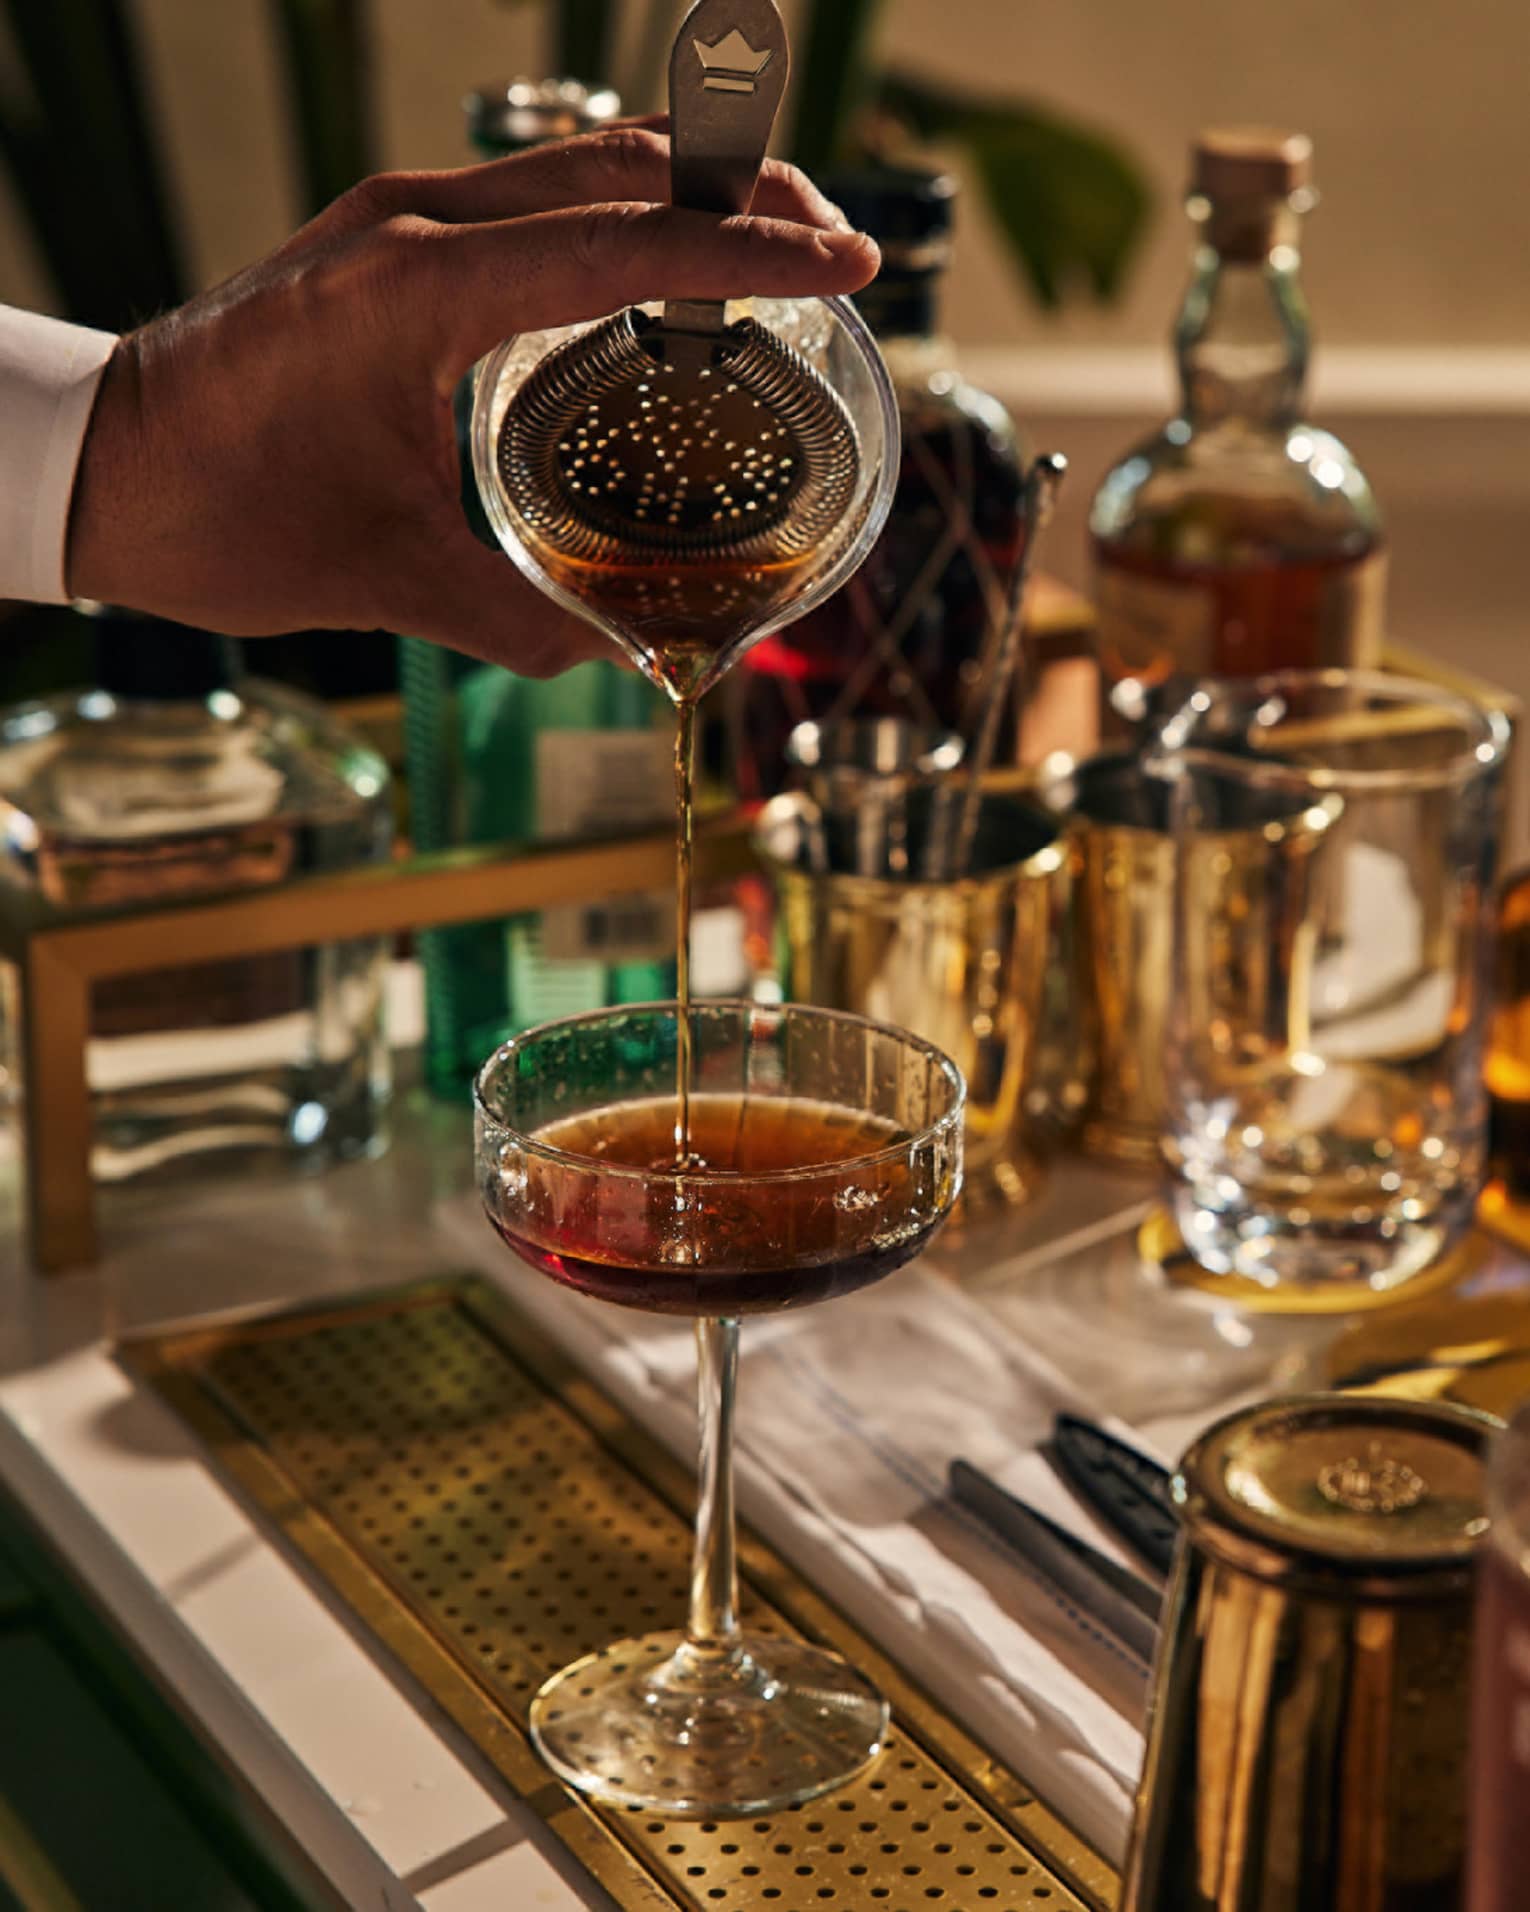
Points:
(494, 758)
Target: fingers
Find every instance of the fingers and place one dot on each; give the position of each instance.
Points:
(625, 163)
(786, 193)
(563, 267)
(479, 604)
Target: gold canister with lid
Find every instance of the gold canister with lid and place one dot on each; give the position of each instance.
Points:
(1307, 1737)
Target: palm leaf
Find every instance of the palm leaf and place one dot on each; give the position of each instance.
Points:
(76, 136)
(582, 37)
(644, 85)
(831, 79)
(327, 51)
(1069, 200)
(46, 192)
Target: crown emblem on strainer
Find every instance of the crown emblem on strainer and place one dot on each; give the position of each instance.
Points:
(732, 64)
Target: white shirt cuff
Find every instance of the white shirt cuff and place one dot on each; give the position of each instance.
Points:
(49, 371)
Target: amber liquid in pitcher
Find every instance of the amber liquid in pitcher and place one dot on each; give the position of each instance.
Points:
(681, 617)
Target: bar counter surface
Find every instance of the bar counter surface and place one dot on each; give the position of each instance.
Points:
(373, 1783)
(387, 1801)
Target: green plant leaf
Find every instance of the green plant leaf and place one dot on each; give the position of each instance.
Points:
(44, 189)
(327, 50)
(830, 78)
(645, 86)
(582, 40)
(1069, 200)
(77, 140)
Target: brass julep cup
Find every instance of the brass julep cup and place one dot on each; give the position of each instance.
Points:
(961, 963)
(1125, 865)
(860, 773)
(1307, 1735)
(1122, 856)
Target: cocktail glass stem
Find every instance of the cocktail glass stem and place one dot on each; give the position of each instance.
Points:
(713, 1632)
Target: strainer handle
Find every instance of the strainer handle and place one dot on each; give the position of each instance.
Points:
(727, 75)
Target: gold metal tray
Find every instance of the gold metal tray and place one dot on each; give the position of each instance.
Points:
(489, 1515)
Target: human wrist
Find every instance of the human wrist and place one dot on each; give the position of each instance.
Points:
(105, 509)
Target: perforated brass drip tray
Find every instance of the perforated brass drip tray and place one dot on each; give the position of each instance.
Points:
(489, 1515)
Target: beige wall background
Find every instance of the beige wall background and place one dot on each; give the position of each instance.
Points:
(1418, 260)
(1418, 110)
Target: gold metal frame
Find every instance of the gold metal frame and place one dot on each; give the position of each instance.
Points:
(61, 957)
(485, 1511)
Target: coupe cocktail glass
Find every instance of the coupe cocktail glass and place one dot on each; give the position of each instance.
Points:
(825, 1151)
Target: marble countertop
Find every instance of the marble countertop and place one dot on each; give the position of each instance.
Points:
(384, 1794)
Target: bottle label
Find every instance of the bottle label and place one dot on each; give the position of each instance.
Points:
(1154, 626)
(1351, 615)
(1286, 616)
(625, 929)
(593, 783)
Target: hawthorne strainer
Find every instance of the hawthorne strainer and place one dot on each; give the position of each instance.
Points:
(689, 475)
(641, 436)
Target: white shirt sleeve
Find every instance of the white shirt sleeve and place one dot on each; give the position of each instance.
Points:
(49, 372)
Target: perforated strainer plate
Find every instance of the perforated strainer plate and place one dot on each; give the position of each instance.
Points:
(489, 1515)
(611, 449)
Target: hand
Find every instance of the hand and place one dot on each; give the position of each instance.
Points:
(278, 454)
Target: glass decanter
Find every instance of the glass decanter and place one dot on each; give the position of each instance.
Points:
(176, 775)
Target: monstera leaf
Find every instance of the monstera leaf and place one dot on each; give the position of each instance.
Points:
(1068, 200)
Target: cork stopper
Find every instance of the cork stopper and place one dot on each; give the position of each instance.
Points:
(1250, 162)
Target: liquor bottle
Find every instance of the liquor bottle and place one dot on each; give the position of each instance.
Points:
(176, 776)
(1507, 1067)
(1238, 538)
(908, 636)
(494, 758)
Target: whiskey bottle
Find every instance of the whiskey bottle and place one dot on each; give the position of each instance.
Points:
(908, 636)
(496, 758)
(1507, 1068)
(1238, 538)
(174, 776)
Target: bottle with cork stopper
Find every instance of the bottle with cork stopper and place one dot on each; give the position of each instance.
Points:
(1239, 538)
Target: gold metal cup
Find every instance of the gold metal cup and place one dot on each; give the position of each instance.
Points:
(1122, 889)
(963, 964)
(1307, 1737)
(1125, 864)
